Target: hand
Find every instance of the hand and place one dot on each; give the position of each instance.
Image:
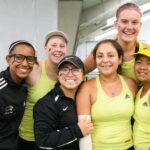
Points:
(85, 126)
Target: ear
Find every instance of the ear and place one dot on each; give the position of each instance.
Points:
(115, 24)
(140, 24)
(120, 60)
(8, 59)
(46, 49)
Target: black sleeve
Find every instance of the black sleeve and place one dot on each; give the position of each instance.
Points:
(45, 127)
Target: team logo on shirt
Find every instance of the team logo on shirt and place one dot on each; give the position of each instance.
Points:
(145, 104)
(3, 83)
(127, 96)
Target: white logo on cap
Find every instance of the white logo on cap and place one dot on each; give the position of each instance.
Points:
(69, 58)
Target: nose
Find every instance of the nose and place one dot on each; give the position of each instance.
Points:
(24, 62)
(129, 25)
(105, 59)
(143, 66)
(58, 48)
(70, 73)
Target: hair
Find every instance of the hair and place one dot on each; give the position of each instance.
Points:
(20, 42)
(115, 45)
(128, 6)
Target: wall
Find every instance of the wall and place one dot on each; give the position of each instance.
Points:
(28, 20)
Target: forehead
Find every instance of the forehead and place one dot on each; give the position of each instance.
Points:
(143, 57)
(106, 48)
(23, 49)
(55, 39)
(130, 13)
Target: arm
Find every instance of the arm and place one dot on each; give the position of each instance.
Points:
(89, 63)
(46, 131)
(83, 110)
(34, 76)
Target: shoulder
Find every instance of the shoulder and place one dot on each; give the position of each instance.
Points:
(144, 45)
(131, 85)
(88, 85)
(45, 102)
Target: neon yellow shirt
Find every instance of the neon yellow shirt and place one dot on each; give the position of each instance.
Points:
(34, 94)
(111, 119)
(141, 128)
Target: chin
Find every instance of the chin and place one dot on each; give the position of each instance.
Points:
(129, 39)
(23, 75)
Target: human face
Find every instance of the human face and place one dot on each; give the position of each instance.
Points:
(20, 70)
(128, 25)
(70, 79)
(56, 49)
(107, 59)
(142, 68)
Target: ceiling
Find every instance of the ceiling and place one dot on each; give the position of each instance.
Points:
(94, 15)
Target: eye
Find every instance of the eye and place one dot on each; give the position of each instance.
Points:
(148, 62)
(110, 55)
(62, 46)
(54, 45)
(31, 58)
(99, 56)
(138, 62)
(19, 57)
(124, 21)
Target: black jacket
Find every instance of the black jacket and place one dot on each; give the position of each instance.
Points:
(12, 99)
(55, 122)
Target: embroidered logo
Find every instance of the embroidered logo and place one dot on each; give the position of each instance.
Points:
(145, 104)
(64, 109)
(127, 96)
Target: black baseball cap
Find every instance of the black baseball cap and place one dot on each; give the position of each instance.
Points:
(75, 60)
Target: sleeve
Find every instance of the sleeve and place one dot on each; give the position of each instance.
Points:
(85, 143)
(45, 127)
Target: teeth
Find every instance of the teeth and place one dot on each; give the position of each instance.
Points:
(142, 73)
(70, 81)
(23, 70)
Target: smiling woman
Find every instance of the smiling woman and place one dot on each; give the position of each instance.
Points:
(56, 111)
(20, 59)
(108, 99)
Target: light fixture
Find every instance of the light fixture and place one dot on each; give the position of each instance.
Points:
(145, 7)
(106, 34)
(110, 21)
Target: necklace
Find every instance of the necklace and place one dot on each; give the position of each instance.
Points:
(113, 94)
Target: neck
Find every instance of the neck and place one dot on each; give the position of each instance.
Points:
(127, 46)
(128, 49)
(109, 79)
(146, 86)
(16, 80)
(69, 92)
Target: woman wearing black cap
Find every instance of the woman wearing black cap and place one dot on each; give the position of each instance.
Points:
(55, 120)
(20, 59)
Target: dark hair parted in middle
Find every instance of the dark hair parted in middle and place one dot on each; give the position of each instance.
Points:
(115, 44)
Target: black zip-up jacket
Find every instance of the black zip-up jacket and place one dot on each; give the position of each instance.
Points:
(55, 122)
(12, 99)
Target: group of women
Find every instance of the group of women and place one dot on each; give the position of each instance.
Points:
(109, 98)
(104, 105)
